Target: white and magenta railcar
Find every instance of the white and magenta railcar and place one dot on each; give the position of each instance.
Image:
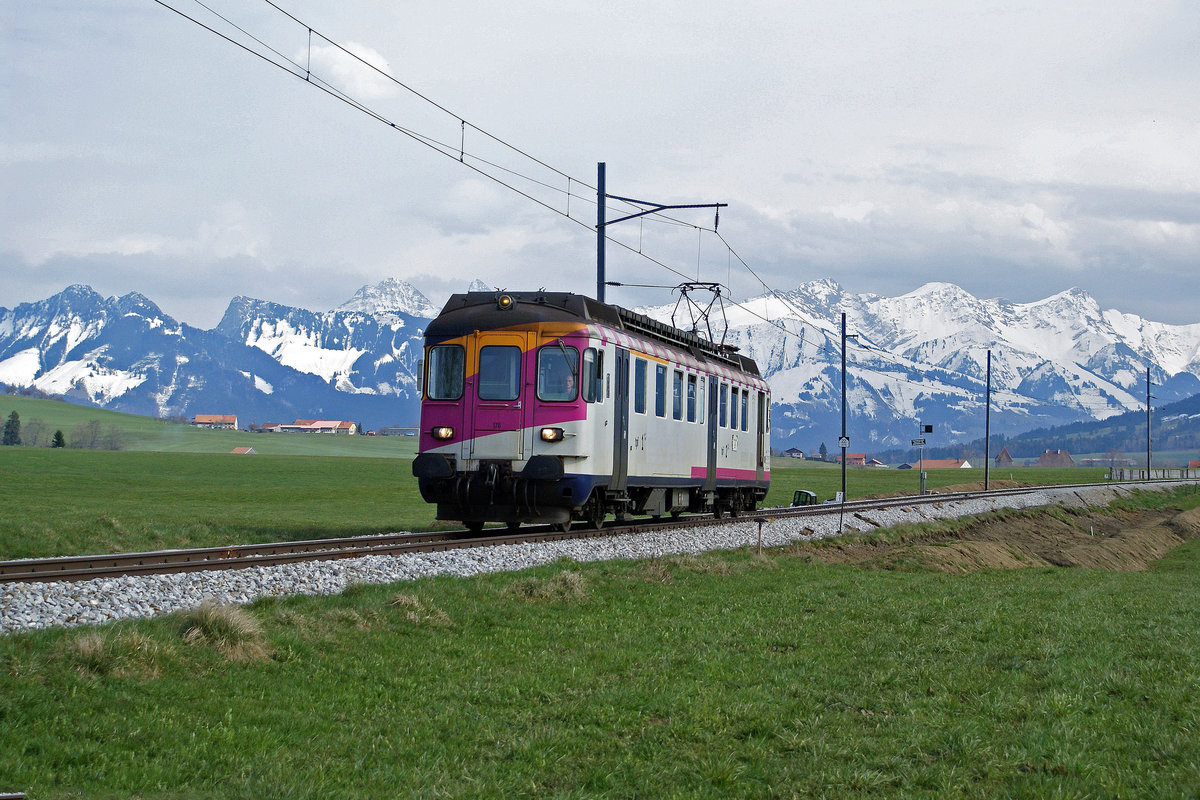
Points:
(551, 407)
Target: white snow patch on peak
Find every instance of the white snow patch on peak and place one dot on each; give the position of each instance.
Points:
(101, 384)
(479, 286)
(390, 296)
(22, 368)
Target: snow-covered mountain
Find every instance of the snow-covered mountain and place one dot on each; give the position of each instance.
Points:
(264, 362)
(920, 357)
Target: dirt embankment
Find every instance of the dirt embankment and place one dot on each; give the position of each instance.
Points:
(1011, 540)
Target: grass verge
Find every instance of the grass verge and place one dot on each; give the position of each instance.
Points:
(724, 675)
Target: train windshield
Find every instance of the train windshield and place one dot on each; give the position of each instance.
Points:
(446, 367)
(558, 370)
(499, 372)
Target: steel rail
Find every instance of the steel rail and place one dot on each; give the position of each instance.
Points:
(81, 568)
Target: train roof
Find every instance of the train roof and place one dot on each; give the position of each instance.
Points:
(472, 311)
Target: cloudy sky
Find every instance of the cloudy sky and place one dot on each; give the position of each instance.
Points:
(1015, 149)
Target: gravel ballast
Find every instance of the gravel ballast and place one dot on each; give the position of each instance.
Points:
(26, 606)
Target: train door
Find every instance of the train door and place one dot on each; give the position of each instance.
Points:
(760, 459)
(710, 479)
(499, 418)
(621, 414)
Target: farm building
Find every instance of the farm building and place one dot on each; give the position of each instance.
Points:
(218, 421)
(1056, 458)
(947, 463)
(854, 459)
(794, 452)
(1004, 459)
(315, 426)
(244, 451)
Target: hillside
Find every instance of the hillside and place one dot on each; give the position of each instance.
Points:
(142, 433)
(1175, 435)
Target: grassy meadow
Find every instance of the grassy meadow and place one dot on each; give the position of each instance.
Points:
(718, 676)
(71, 502)
(146, 434)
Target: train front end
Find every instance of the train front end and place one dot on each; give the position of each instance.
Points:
(504, 409)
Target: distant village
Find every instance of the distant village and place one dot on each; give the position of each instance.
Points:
(330, 426)
(1050, 458)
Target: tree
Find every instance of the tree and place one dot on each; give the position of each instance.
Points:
(824, 451)
(114, 439)
(12, 429)
(59, 439)
(86, 435)
(32, 432)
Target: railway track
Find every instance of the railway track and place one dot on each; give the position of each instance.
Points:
(82, 568)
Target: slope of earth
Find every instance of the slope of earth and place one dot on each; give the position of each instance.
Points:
(1057, 537)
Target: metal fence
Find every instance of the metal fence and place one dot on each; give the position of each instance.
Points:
(1133, 474)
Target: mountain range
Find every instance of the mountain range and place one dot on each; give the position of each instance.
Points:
(916, 359)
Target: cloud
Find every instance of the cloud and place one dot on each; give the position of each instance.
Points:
(348, 72)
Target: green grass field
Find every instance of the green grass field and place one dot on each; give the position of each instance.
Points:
(72, 502)
(163, 436)
(726, 675)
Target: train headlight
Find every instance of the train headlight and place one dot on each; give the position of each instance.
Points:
(552, 434)
(504, 302)
(443, 432)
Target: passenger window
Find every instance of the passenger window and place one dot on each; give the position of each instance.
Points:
(558, 370)
(593, 370)
(677, 399)
(745, 409)
(446, 365)
(733, 408)
(724, 413)
(639, 386)
(499, 372)
(691, 399)
(660, 390)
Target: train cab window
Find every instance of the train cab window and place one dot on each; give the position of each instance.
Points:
(446, 365)
(558, 373)
(745, 409)
(660, 390)
(691, 399)
(733, 408)
(499, 372)
(724, 404)
(677, 396)
(593, 370)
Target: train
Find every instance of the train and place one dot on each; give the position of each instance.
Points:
(555, 408)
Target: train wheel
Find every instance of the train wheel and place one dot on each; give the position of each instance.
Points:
(593, 512)
(473, 525)
(562, 527)
(512, 526)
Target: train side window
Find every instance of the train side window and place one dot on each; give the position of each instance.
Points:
(446, 365)
(558, 369)
(733, 408)
(724, 414)
(499, 372)
(677, 396)
(660, 390)
(745, 409)
(639, 386)
(593, 372)
(691, 399)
